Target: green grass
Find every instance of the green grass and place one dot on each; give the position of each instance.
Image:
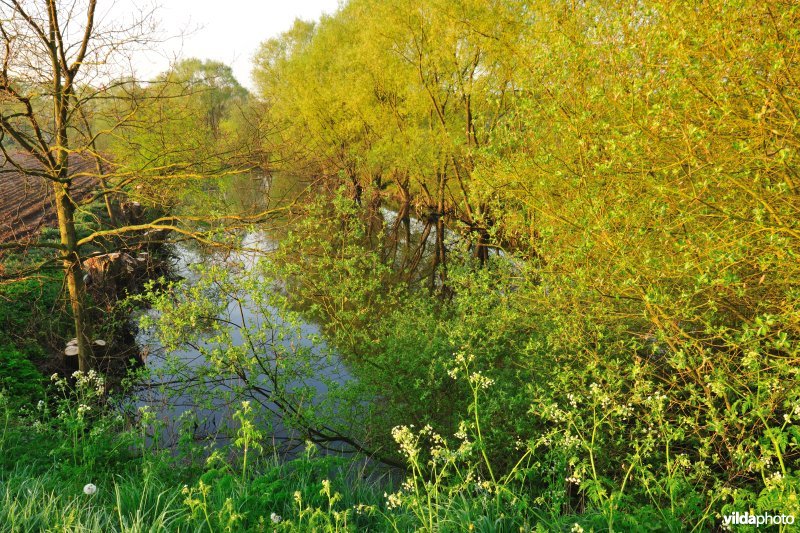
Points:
(150, 498)
(50, 451)
(32, 502)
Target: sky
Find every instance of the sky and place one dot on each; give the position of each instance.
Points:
(224, 30)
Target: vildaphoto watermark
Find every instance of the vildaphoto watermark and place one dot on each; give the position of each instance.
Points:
(758, 520)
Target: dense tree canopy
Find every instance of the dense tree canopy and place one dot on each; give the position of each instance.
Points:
(640, 158)
(621, 141)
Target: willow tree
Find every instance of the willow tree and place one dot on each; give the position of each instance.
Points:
(403, 107)
(176, 130)
(646, 152)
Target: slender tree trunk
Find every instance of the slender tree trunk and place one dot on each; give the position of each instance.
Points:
(402, 225)
(416, 258)
(51, 148)
(441, 257)
(481, 252)
(405, 220)
(112, 216)
(441, 250)
(74, 273)
(65, 208)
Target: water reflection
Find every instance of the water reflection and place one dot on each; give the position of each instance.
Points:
(291, 379)
(304, 390)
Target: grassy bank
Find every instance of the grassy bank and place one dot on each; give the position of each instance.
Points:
(68, 462)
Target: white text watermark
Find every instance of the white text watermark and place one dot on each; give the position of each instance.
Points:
(758, 520)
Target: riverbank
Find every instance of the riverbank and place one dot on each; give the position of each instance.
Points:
(68, 462)
(35, 317)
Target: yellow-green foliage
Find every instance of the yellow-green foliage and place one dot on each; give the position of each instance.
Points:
(643, 158)
(183, 126)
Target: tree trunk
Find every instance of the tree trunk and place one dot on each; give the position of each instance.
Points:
(441, 257)
(112, 216)
(441, 250)
(481, 252)
(74, 273)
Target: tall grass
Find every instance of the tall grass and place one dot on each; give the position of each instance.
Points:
(44, 502)
(69, 441)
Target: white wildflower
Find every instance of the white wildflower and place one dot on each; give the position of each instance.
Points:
(405, 438)
(394, 500)
(480, 381)
(361, 508)
(573, 400)
(575, 479)
(275, 517)
(89, 489)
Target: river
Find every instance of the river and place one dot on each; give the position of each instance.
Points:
(289, 385)
(300, 388)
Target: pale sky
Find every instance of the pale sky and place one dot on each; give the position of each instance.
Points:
(224, 30)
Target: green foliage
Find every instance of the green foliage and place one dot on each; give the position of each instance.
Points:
(30, 304)
(184, 126)
(585, 418)
(253, 346)
(31, 317)
(627, 360)
(639, 163)
(18, 376)
(44, 480)
(331, 273)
